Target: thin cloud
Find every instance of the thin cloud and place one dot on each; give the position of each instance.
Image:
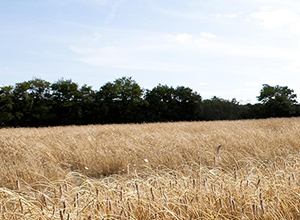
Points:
(176, 13)
(183, 38)
(252, 84)
(177, 52)
(276, 19)
(129, 58)
(265, 8)
(113, 12)
(93, 2)
(282, 18)
(63, 2)
(234, 15)
(231, 16)
(208, 35)
(232, 49)
(194, 15)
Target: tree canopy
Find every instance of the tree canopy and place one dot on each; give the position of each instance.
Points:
(37, 102)
(279, 101)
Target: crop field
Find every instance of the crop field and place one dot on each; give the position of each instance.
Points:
(248, 169)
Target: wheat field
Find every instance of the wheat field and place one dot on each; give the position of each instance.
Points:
(246, 169)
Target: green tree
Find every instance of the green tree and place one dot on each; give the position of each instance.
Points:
(220, 109)
(65, 91)
(31, 102)
(39, 89)
(279, 101)
(187, 104)
(160, 100)
(169, 104)
(88, 105)
(6, 106)
(122, 89)
(66, 102)
(123, 100)
(39, 92)
(23, 103)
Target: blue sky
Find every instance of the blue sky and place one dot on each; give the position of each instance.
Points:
(226, 48)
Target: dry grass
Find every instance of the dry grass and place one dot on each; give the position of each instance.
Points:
(152, 171)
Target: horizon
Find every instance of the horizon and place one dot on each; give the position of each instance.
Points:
(228, 50)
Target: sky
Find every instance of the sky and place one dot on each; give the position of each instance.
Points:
(223, 48)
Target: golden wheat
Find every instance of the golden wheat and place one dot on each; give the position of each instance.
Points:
(189, 170)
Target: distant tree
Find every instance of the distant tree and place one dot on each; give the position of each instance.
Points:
(279, 101)
(187, 104)
(30, 102)
(39, 89)
(37, 102)
(161, 102)
(6, 106)
(169, 104)
(123, 99)
(66, 102)
(65, 91)
(22, 104)
(220, 109)
(88, 105)
(39, 92)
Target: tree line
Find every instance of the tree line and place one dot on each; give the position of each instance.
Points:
(37, 103)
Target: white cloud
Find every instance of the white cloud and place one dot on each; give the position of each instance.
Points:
(244, 92)
(183, 38)
(265, 8)
(281, 18)
(231, 16)
(234, 15)
(174, 13)
(252, 84)
(178, 52)
(295, 27)
(277, 18)
(209, 46)
(194, 15)
(294, 66)
(208, 35)
(130, 58)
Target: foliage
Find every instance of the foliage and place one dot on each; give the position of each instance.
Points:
(279, 101)
(65, 98)
(161, 103)
(37, 102)
(169, 104)
(6, 105)
(123, 99)
(220, 109)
